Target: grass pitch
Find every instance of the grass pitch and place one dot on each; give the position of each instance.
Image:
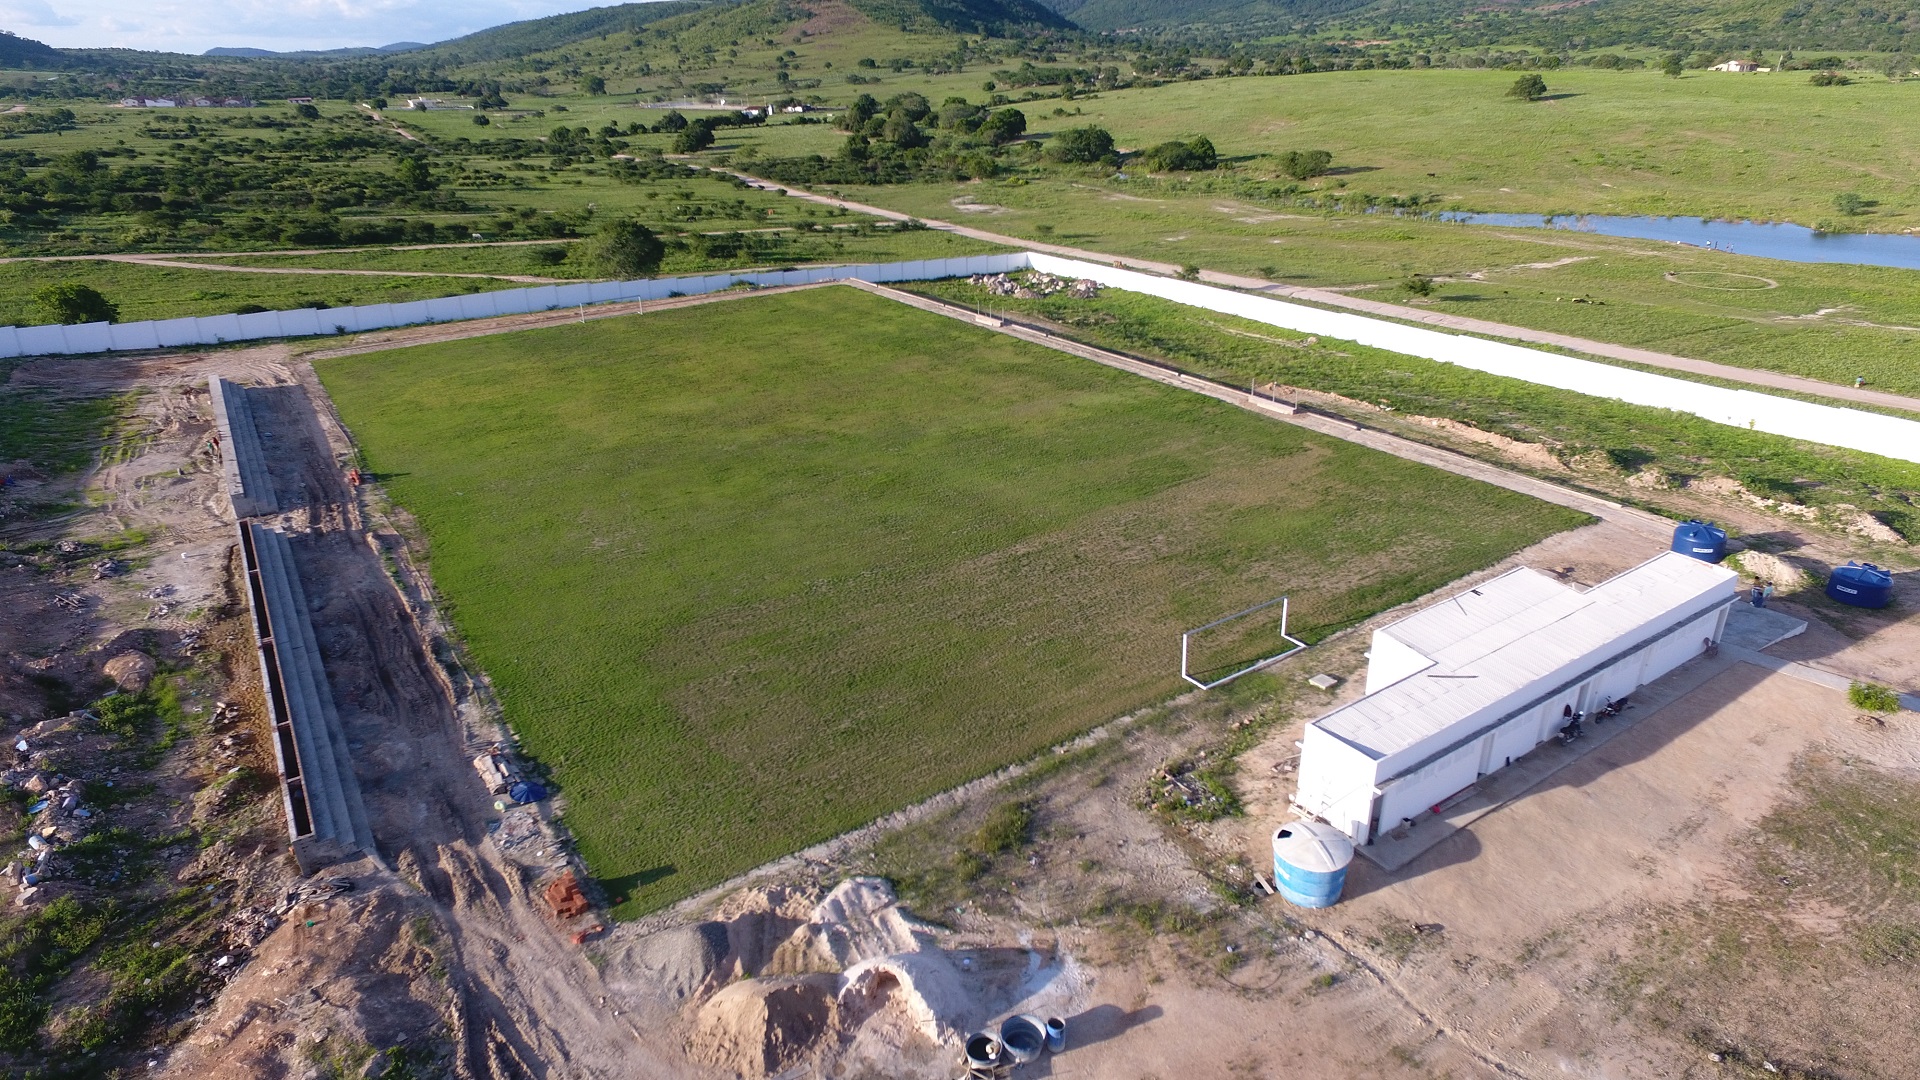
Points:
(752, 573)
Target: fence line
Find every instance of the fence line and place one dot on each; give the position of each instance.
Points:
(1874, 433)
(307, 322)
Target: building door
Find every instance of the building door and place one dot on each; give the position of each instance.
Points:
(1486, 754)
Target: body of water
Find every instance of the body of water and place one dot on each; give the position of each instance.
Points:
(1769, 240)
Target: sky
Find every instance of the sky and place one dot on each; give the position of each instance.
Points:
(194, 26)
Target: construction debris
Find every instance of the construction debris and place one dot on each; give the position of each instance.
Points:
(566, 898)
(1033, 284)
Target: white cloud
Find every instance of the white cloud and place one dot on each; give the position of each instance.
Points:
(33, 13)
(284, 25)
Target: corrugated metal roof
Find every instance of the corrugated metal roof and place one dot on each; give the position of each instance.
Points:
(1498, 638)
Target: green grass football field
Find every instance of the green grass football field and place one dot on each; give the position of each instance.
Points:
(752, 573)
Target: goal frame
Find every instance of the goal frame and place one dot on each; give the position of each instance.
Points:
(1186, 638)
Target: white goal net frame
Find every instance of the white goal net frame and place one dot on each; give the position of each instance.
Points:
(1186, 639)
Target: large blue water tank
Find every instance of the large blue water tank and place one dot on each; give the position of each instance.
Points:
(1861, 584)
(1310, 863)
(1701, 540)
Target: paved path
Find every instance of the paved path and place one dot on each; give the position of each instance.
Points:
(1667, 361)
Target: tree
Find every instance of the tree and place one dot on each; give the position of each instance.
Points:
(1673, 65)
(1306, 164)
(416, 174)
(1898, 67)
(1081, 146)
(480, 118)
(1004, 126)
(1528, 88)
(624, 248)
(696, 137)
(71, 303)
(673, 121)
(863, 109)
(595, 85)
(902, 132)
(1829, 78)
(1850, 203)
(306, 112)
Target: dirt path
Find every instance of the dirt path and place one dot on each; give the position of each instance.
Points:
(1751, 376)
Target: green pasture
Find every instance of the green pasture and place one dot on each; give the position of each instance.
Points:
(1600, 441)
(1825, 321)
(749, 574)
(163, 292)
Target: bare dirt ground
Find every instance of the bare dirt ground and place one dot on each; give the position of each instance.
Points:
(1548, 934)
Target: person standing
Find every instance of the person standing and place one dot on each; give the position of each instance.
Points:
(1766, 594)
(1759, 595)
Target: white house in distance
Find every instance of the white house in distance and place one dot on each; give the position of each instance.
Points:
(1469, 685)
(1744, 66)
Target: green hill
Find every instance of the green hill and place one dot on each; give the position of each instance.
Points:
(19, 52)
(1662, 24)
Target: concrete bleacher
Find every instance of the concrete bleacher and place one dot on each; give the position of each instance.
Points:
(327, 819)
(243, 462)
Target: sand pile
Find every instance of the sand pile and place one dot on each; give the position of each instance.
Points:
(762, 1027)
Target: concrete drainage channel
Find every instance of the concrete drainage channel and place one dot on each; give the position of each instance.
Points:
(326, 816)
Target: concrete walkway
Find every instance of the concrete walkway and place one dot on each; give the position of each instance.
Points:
(1647, 357)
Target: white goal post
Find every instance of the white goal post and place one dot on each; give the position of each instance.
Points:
(1187, 637)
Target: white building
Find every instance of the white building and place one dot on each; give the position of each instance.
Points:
(1745, 66)
(1469, 685)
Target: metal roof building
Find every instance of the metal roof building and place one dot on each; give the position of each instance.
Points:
(1466, 686)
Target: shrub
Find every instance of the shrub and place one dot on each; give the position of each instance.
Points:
(1081, 146)
(1004, 126)
(1850, 203)
(1873, 698)
(1195, 155)
(1305, 164)
(70, 303)
(1004, 830)
(1829, 78)
(1419, 285)
(1528, 88)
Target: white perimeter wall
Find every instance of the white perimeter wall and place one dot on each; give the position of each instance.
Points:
(1874, 433)
(306, 322)
(1888, 436)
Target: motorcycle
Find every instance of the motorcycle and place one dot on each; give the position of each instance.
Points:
(1573, 731)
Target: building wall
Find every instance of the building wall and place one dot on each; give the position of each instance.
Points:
(1410, 794)
(1336, 783)
(1389, 660)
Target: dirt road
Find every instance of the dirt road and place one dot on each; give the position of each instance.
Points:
(1750, 376)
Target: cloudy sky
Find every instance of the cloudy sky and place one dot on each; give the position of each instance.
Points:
(193, 26)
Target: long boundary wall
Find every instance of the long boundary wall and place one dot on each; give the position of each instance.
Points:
(1873, 433)
(307, 322)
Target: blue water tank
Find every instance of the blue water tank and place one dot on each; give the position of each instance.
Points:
(1310, 863)
(1862, 585)
(1701, 540)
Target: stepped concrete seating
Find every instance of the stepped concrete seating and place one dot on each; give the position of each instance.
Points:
(320, 773)
(243, 463)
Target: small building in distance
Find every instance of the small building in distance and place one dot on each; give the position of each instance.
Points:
(1743, 66)
(1469, 685)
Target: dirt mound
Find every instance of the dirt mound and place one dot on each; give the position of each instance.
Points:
(761, 1027)
(1761, 566)
(131, 671)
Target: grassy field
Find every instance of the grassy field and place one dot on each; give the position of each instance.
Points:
(744, 587)
(1824, 321)
(1602, 439)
